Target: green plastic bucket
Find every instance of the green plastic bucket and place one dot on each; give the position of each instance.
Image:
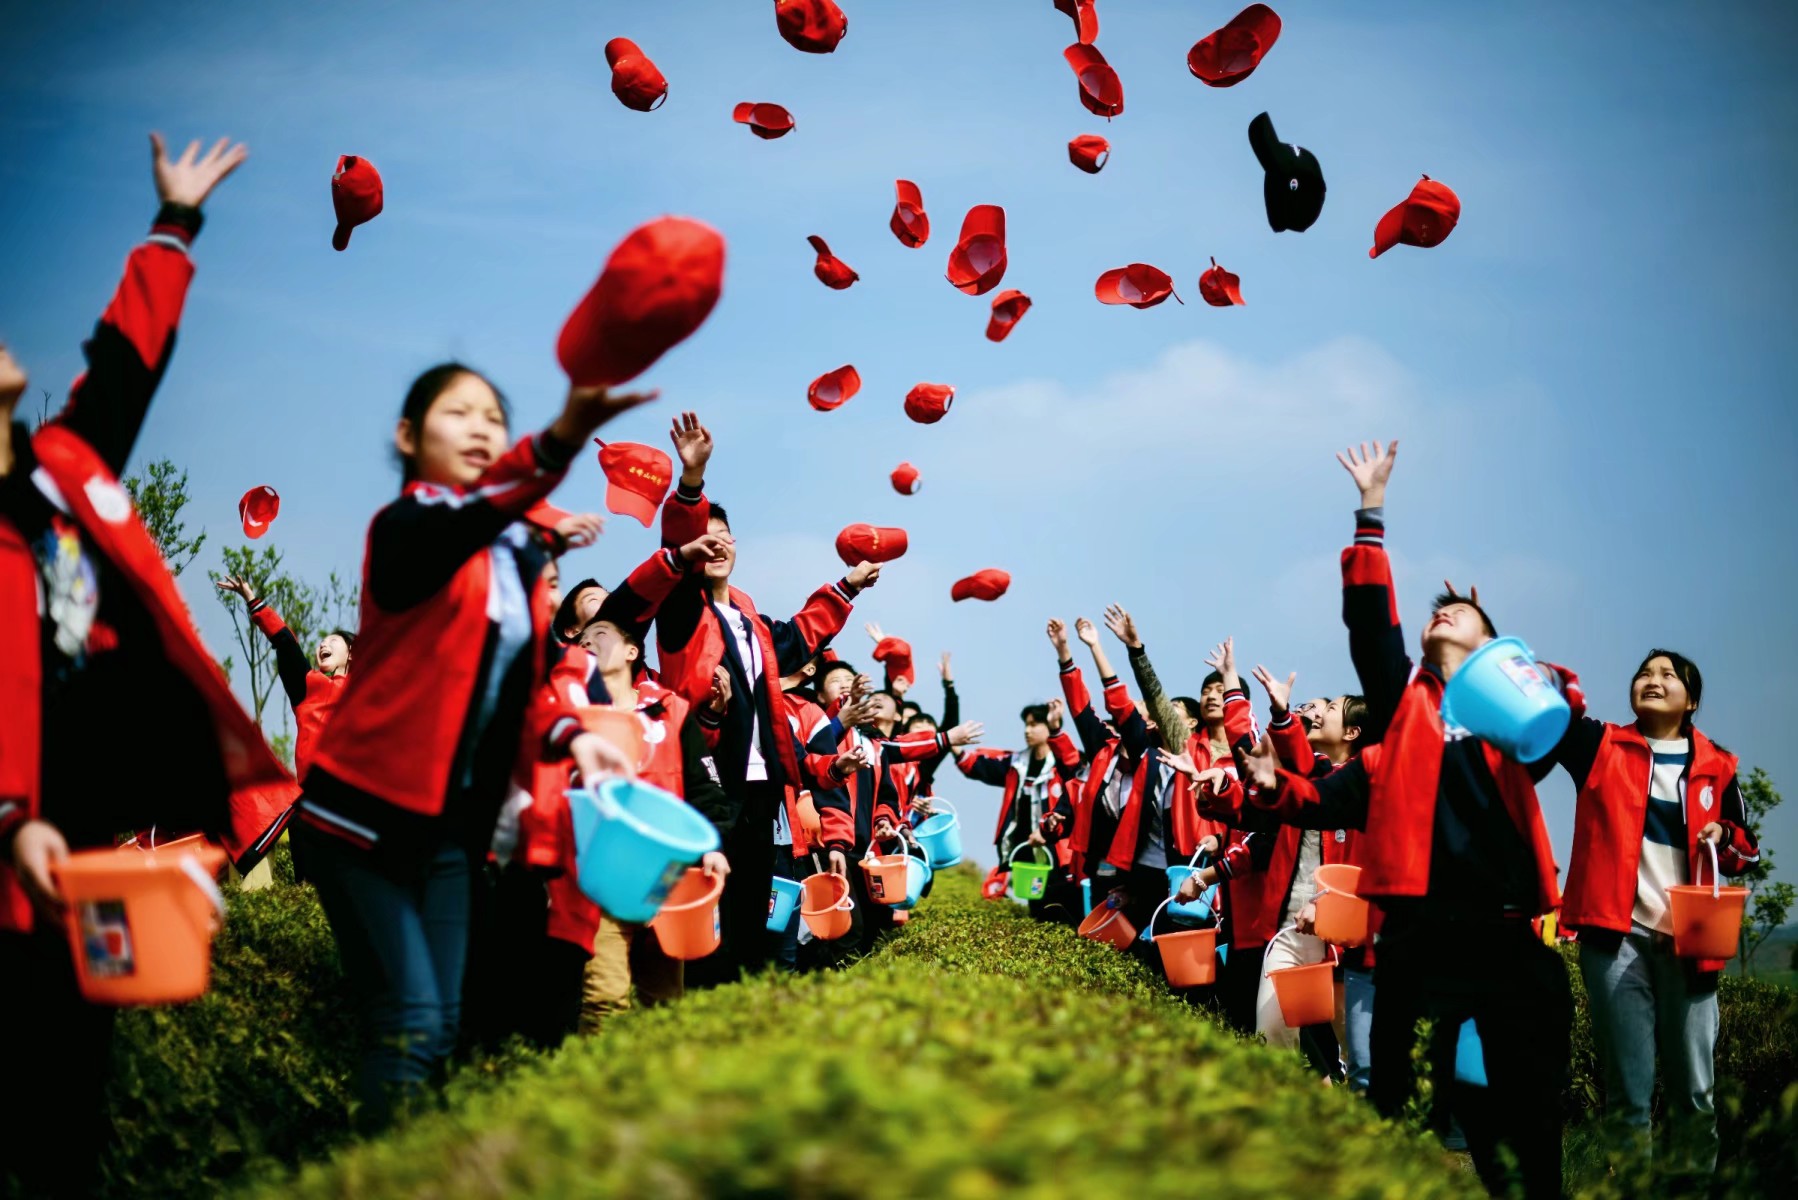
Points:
(1030, 880)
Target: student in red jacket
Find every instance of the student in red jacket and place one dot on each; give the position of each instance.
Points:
(1656, 797)
(1033, 809)
(1108, 766)
(1456, 855)
(91, 620)
(407, 780)
(313, 688)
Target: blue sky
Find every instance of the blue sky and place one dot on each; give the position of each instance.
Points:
(1587, 376)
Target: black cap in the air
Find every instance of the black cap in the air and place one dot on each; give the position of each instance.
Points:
(1294, 184)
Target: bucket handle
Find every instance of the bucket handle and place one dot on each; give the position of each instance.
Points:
(937, 802)
(1116, 911)
(1716, 871)
(190, 866)
(1294, 929)
(1013, 857)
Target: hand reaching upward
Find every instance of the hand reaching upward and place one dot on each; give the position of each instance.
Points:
(693, 443)
(190, 179)
(1370, 471)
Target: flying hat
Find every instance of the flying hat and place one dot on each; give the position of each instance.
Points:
(637, 478)
(658, 286)
(929, 403)
(1220, 288)
(1086, 18)
(764, 120)
(355, 194)
(814, 26)
(870, 543)
(635, 80)
(258, 510)
(1139, 285)
(896, 654)
(833, 389)
(1100, 88)
(988, 584)
(910, 223)
(1425, 218)
(831, 271)
(905, 479)
(977, 263)
(1230, 55)
(1089, 152)
(1293, 187)
(1009, 307)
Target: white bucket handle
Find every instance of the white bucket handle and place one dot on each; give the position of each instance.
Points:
(1013, 857)
(1716, 871)
(1294, 929)
(190, 866)
(1116, 911)
(939, 801)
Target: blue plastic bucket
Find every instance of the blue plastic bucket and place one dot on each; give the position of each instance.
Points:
(783, 901)
(917, 876)
(632, 840)
(1501, 696)
(941, 836)
(1202, 909)
(1470, 1056)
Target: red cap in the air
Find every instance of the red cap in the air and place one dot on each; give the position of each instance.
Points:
(896, 654)
(1139, 285)
(929, 403)
(977, 263)
(988, 584)
(1231, 54)
(831, 271)
(1100, 88)
(1008, 307)
(1086, 18)
(833, 389)
(764, 120)
(814, 26)
(658, 286)
(1425, 218)
(905, 479)
(1089, 152)
(637, 478)
(910, 223)
(355, 195)
(1220, 288)
(870, 543)
(635, 80)
(258, 510)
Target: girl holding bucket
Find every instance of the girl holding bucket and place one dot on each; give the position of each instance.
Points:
(1657, 798)
(408, 778)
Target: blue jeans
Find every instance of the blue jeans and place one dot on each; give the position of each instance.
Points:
(403, 946)
(1357, 1048)
(1644, 999)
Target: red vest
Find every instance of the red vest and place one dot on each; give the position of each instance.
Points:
(314, 710)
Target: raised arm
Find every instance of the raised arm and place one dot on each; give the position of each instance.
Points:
(1369, 604)
(686, 513)
(951, 701)
(1285, 729)
(1175, 729)
(797, 640)
(290, 661)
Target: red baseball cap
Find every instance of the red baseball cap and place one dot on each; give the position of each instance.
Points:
(814, 26)
(635, 80)
(1086, 18)
(870, 543)
(1425, 218)
(1230, 55)
(1100, 88)
(764, 120)
(988, 584)
(1220, 288)
(929, 403)
(896, 654)
(258, 510)
(831, 271)
(1089, 152)
(1008, 307)
(910, 223)
(905, 479)
(658, 286)
(637, 478)
(355, 195)
(1139, 285)
(833, 389)
(977, 263)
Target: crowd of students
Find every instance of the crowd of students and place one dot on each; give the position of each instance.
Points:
(437, 743)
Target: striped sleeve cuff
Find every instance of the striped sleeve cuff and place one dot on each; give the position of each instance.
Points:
(708, 717)
(1280, 722)
(175, 226)
(848, 591)
(689, 495)
(1370, 526)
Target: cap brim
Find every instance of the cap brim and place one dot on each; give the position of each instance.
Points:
(340, 237)
(1389, 231)
(627, 503)
(1265, 142)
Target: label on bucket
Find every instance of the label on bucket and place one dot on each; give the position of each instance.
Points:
(1036, 887)
(773, 899)
(877, 888)
(106, 939)
(670, 876)
(1522, 672)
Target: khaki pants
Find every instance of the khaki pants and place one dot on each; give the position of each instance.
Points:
(1289, 948)
(625, 955)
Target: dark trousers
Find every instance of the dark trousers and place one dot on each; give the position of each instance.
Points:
(59, 1051)
(1516, 992)
(404, 945)
(744, 943)
(1238, 983)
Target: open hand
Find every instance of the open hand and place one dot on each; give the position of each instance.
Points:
(1086, 631)
(1058, 635)
(875, 633)
(580, 530)
(693, 443)
(239, 585)
(966, 734)
(588, 408)
(1222, 659)
(190, 179)
(1122, 626)
(1370, 471)
(1279, 695)
(1259, 766)
(850, 761)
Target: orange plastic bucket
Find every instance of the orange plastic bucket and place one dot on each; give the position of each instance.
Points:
(140, 926)
(1341, 916)
(1307, 994)
(688, 924)
(886, 877)
(1188, 957)
(620, 726)
(1338, 877)
(1707, 921)
(825, 904)
(1108, 924)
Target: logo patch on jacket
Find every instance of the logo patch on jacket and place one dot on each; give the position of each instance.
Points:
(1704, 798)
(110, 502)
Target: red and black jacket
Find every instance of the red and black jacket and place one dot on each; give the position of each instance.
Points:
(63, 498)
(1093, 825)
(884, 788)
(311, 692)
(1008, 769)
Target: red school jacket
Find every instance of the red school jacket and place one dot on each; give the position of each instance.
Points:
(1188, 820)
(312, 693)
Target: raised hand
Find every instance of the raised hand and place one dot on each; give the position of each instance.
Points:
(1122, 626)
(1086, 631)
(588, 408)
(862, 686)
(1182, 763)
(239, 585)
(865, 575)
(190, 179)
(966, 734)
(1370, 471)
(850, 761)
(1058, 636)
(856, 710)
(1222, 659)
(1058, 710)
(1260, 766)
(875, 633)
(693, 443)
(580, 529)
(1279, 695)
(943, 668)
